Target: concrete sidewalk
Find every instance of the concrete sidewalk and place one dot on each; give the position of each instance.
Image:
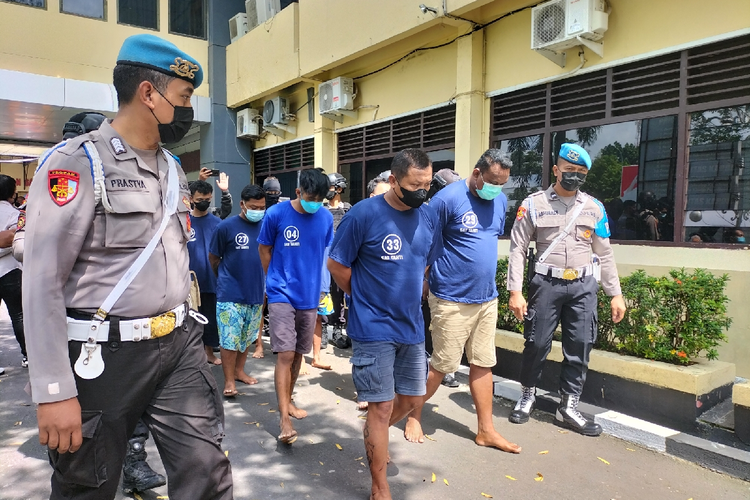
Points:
(572, 466)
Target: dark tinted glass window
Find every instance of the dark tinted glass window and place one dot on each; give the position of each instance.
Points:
(142, 13)
(85, 8)
(30, 3)
(525, 174)
(188, 17)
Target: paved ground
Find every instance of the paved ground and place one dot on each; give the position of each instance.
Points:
(573, 467)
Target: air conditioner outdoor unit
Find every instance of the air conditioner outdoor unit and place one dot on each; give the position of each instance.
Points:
(336, 95)
(276, 117)
(237, 26)
(251, 10)
(248, 126)
(266, 9)
(559, 25)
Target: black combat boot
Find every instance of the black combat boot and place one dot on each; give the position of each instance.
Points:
(136, 473)
(522, 411)
(340, 339)
(567, 415)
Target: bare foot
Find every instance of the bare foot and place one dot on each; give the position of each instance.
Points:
(381, 494)
(245, 378)
(494, 440)
(230, 393)
(318, 364)
(258, 351)
(413, 430)
(288, 434)
(303, 369)
(362, 405)
(213, 360)
(296, 412)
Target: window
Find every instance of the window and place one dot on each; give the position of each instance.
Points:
(86, 8)
(718, 195)
(30, 3)
(526, 173)
(141, 13)
(188, 17)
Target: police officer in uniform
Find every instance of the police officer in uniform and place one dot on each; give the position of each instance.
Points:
(572, 240)
(107, 273)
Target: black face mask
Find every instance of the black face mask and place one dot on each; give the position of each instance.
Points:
(182, 120)
(413, 199)
(271, 200)
(330, 195)
(203, 205)
(572, 181)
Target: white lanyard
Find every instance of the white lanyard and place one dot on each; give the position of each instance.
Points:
(562, 235)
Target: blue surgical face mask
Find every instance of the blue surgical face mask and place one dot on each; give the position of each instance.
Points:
(254, 215)
(489, 191)
(310, 206)
(740, 239)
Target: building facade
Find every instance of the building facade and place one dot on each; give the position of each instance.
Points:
(664, 110)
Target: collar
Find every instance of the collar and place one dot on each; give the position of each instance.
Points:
(553, 196)
(118, 148)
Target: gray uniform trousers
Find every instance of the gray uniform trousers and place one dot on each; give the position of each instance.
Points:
(574, 305)
(168, 383)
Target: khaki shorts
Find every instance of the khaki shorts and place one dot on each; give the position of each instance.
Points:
(456, 326)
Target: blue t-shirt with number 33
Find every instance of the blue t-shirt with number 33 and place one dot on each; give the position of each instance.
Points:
(388, 251)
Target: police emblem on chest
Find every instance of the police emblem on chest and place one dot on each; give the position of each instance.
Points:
(62, 185)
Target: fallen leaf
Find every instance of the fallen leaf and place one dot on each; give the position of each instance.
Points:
(137, 496)
(434, 408)
(314, 474)
(257, 424)
(226, 453)
(358, 459)
(321, 463)
(544, 452)
(362, 464)
(363, 417)
(262, 404)
(511, 478)
(339, 446)
(162, 497)
(539, 477)
(339, 389)
(433, 477)
(600, 458)
(17, 423)
(485, 495)
(428, 437)
(271, 411)
(630, 449)
(250, 423)
(282, 484)
(446, 482)
(311, 441)
(338, 401)
(563, 432)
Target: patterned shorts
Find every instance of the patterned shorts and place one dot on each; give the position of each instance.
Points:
(239, 324)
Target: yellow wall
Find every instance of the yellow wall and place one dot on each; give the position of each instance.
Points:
(48, 42)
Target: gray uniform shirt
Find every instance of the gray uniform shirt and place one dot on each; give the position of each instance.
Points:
(75, 252)
(542, 216)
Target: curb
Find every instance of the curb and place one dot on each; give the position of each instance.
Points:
(715, 456)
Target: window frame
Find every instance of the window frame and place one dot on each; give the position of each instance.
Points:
(12, 2)
(682, 110)
(205, 21)
(158, 18)
(105, 8)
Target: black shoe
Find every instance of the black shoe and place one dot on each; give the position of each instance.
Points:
(340, 339)
(568, 416)
(522, 411)
(137, 475)
(450, 381)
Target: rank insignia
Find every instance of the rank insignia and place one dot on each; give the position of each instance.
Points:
(521, 213)
(62, 185)
(21, 220)
(117, 146)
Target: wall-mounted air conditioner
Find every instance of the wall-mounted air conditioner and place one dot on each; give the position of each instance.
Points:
(248, 124)
(559, 25)
(276, 117)
(237, 27)
(336, 98)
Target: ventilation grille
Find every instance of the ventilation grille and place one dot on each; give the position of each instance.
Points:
(579, 99)
(293, 156)
(719, 71)
(429, 130)
(646, 86)
(519, 111)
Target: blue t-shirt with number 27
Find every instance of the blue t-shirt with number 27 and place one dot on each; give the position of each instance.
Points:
(299, 242)
(388, 251)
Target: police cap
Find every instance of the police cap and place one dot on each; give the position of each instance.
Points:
(150, 51)
(575, 154)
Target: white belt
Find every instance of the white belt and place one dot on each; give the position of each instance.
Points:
(133, 330)
(565, 274)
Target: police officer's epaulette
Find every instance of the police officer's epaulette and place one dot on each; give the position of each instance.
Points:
(67, 147)
(537, 194)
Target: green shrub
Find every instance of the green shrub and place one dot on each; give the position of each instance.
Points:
(674, 318)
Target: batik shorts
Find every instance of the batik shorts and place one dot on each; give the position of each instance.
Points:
(239, 324)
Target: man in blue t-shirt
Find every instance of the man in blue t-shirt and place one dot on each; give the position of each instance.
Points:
(240, 287)
(292, 243)
(202, 227)
(463, 293)
(381, 252)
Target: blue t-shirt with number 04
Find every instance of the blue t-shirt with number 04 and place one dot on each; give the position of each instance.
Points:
(388, 251)
(299, 242)
(470, 227)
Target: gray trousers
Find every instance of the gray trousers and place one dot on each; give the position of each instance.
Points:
(572, 304)
(167, 382)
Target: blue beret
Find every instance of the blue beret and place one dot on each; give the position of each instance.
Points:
(575, 154)
(150, 51)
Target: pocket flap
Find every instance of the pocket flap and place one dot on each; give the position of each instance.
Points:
(129, 202)
(362, 360)
(89, 422)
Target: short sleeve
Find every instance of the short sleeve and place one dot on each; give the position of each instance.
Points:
(268, 230)
(348, 240)
(441, 208)
(217, 241)
(602, 225)
(329, 234)
(436, 249)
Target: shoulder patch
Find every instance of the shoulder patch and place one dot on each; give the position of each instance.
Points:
(63, 185)
(21, 220)
(521, 212)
